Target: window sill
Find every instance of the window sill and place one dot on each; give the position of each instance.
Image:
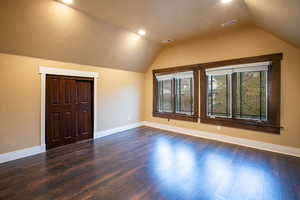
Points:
(192, 118)
(243, 124)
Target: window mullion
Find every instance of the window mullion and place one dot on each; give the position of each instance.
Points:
(179, 97)
(191, 95)
(162, 96)
(260, 95)
(227, 95)
(231, 98)
(211, 96)
(158, 98)
(241, 95)
(233, 94)
(173, 95)
(267, 95)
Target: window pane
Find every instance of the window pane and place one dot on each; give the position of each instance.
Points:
(165, 96)
(219, 95)
(251, 95)
(184, 96)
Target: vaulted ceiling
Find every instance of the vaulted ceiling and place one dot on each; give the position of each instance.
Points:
(103, 32)
(280, 17)
(50, 30)
(180, 19)
(166, 19)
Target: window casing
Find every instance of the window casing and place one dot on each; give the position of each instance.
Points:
(238, 92)
(242, 93)
(240, 88)
(175, 94)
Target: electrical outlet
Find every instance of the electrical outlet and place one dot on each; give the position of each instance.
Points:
(129, 117)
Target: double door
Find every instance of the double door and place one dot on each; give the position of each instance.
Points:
(69, 110)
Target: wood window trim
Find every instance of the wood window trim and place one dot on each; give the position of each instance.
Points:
(272, 125)
(176, 116)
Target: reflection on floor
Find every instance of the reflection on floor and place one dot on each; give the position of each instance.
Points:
(147, 163)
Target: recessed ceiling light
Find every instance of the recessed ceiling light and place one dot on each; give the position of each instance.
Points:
(67, 1)
(229, 23)
(226, 1)
(167, 41)
(142, 32)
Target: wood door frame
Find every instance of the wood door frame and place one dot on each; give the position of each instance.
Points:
(64, 72)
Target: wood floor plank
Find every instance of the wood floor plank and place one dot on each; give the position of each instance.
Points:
(146, 163)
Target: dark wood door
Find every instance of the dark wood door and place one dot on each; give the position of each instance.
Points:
(69, 110)
(83, 107)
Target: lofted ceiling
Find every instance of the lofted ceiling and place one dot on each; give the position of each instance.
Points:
(180, 19)
(103, 32)
(50, 30)
(280, 17)
(166, 19)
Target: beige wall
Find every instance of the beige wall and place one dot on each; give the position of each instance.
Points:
(125, 97)
(51, 30)
(119, 94)
(237, 43)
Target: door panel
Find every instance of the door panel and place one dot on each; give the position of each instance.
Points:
(68, 110)
(83, 91)
(54, 91)
(55, 127)
(68, 126)
(67, 95)
(83, 118)
(84, 109)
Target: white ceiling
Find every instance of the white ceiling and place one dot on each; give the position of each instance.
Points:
(180, 19)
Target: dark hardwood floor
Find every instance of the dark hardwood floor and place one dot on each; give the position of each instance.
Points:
(147, 163)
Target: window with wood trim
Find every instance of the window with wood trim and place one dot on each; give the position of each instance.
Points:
(242, 93)
(238, 91)
(175, 94)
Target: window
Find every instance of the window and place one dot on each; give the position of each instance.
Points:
(184, 95)
(175, 96)
(242, 93)
(251, 95)
(238, 91)
(165, 96)
(218, 94)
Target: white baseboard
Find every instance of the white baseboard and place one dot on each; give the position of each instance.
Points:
(223, 138)
(228, 139)
(40, 149)
(22, 153)
(100, 134)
